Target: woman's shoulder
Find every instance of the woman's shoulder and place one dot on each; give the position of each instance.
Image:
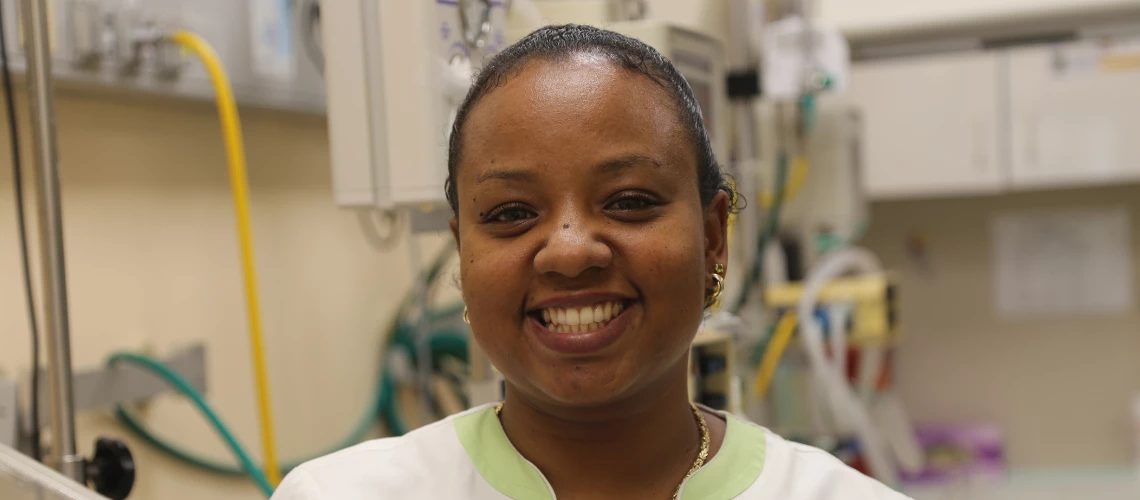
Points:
(408, 466)
(798, 471)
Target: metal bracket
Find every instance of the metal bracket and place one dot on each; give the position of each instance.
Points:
(103, 387)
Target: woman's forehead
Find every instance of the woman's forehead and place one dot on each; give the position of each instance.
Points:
(573, 106)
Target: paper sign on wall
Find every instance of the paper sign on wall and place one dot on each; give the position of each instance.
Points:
(1063, 262)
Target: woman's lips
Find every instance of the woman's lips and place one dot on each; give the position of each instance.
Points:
(582, 342)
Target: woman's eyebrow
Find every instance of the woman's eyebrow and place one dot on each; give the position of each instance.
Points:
(606, 167)
(505, 175)
(624, 162)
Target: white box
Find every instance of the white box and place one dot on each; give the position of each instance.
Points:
(389, 110)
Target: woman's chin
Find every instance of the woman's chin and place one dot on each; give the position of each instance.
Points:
(585, 386)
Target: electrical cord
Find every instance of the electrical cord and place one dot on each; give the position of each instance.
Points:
(18, 187)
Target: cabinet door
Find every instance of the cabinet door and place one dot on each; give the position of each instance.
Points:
(1075, 114)
(880, 18)
(930, 125)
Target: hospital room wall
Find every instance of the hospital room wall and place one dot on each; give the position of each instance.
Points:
(1060, 387)
(153, 264)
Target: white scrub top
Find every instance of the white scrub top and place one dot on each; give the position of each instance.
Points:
(468, 456)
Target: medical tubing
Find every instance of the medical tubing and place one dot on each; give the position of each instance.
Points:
(798, 172)
(239, 185)
(776, 347)
(838, 392)
(771, 227)
(183, 386)
(444, 342)
(837, 316)
(400, 335)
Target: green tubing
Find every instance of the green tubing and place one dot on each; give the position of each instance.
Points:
(383, 407)
(771, 227)
(183, 386)
(401, 335)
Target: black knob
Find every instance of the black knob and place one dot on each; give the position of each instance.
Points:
(111, 471)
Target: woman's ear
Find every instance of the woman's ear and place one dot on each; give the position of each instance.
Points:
(716, 230)
(454, 224)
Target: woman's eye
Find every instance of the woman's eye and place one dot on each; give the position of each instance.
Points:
(510, 214)
(627, 203)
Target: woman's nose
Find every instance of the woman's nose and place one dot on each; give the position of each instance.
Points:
(571, 249)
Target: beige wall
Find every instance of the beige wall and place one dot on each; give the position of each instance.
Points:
(152, 262)
(1060, 387)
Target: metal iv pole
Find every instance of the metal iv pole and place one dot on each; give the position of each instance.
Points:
(38, 57)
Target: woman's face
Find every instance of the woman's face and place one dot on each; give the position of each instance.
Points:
(585, 249)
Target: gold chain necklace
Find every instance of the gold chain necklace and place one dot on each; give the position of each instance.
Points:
(701, 456)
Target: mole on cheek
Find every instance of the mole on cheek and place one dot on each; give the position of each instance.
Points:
(566, 226)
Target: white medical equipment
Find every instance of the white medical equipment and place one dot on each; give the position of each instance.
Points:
(844, 403)
(699, 57)
(395, 72)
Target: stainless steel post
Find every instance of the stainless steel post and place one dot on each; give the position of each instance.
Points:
(34, 14)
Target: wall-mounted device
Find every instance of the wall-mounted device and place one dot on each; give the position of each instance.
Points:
(395, 72)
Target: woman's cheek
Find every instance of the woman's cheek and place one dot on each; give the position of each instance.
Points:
(667, 265)
(494, 284)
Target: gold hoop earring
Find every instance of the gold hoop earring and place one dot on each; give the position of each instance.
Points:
(466, 318)
(713, 296)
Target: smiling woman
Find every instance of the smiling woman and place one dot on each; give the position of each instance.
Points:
(591, 217)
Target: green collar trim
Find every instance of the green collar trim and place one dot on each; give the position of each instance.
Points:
(731, 472)
(496, 458)
(735, 467)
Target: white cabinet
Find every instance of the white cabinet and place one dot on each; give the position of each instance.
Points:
(1074, 114)
(931, 125)
(879, 18)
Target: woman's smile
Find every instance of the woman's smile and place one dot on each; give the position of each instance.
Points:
(581, 324)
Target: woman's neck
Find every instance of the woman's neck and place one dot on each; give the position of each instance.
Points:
(639, 448)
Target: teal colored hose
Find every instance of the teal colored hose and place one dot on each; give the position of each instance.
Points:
(383, 406)
(183, 386)
(401, 335)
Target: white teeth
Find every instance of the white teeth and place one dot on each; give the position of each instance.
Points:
(586, 316)
(585, 319)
